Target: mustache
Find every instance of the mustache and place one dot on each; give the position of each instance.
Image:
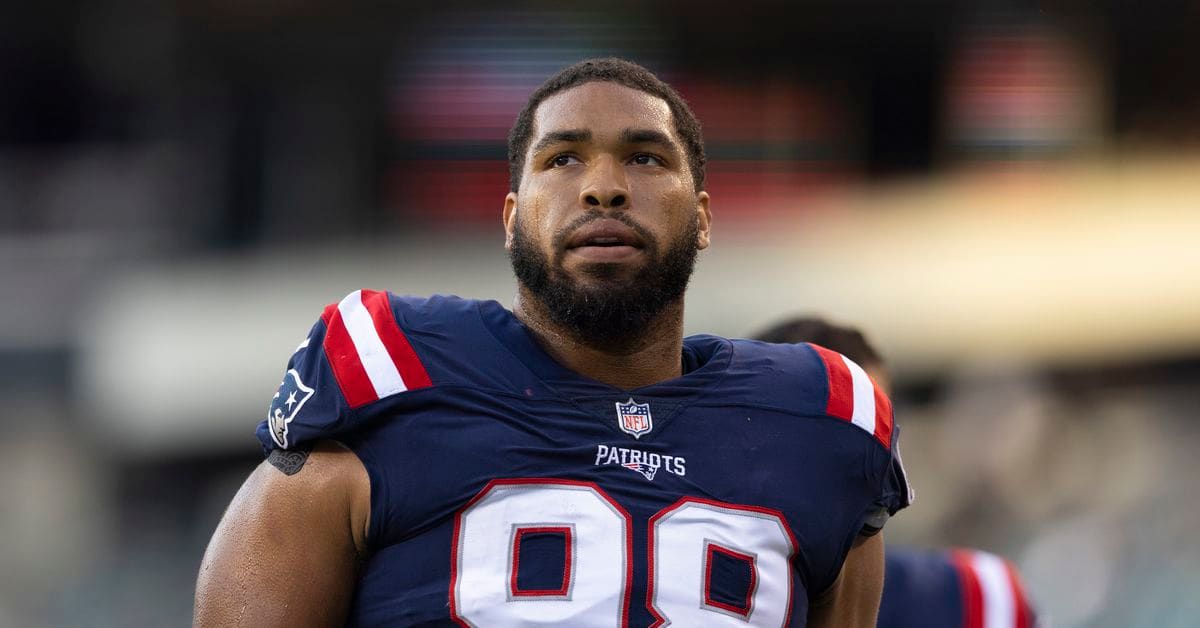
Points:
(562, 235)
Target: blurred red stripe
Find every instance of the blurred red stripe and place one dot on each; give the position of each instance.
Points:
(457, 191)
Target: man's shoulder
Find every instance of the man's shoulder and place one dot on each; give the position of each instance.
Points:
(951, 587)
(811, 380)
(407, 328)
(920, 588)
(797, 360)
(924, 565)
(366, 351)
(409, 311)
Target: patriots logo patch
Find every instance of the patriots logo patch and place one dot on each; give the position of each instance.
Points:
(642, 468)
(634, 418)
(285, 405)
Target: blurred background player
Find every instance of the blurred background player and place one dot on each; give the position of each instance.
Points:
(938, 588)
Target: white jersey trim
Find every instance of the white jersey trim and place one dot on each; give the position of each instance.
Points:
(373, 355)
(864, 397)
(998, 607)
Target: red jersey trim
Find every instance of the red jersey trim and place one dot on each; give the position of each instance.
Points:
(375, 326)
(840, 401)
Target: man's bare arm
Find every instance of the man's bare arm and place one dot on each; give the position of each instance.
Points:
(286, 551)
(853, 600)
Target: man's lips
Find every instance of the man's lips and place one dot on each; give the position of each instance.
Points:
(605, 233)
(604, 253)
(605, 240)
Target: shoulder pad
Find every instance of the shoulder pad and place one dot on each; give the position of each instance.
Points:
(369, 355)
(854, 397)
(354, 355)
(991, 587)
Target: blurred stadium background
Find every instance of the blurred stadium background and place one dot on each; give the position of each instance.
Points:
(1003, 194)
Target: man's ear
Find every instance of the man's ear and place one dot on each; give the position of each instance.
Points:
(704, 221)
(510, 218)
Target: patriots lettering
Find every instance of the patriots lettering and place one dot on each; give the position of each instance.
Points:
(645, 462)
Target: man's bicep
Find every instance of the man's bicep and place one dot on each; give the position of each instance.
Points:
(285, 552)
(853, 600)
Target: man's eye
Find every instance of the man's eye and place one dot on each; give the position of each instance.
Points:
(563, 160)
(646, 159)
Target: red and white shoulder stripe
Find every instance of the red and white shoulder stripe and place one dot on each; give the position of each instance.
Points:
(370, 357)
(992, 594)
(854, 397)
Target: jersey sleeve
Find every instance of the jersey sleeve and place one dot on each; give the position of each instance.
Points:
(920, 590)
(853, 397)
(356, 354)
(990, 590)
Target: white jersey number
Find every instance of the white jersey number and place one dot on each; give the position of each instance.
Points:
(686, 540)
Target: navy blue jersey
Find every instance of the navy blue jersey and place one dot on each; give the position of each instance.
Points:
(507, 490)
(952, 589)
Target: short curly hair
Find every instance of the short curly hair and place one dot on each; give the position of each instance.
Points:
(847, 341)
(611, 70)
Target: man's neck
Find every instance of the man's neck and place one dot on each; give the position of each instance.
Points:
(653, 357)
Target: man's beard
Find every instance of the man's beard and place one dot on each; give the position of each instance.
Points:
(608, 312)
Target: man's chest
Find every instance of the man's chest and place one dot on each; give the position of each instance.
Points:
(532, 517)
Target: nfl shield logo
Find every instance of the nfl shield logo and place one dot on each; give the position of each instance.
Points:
(634, 418)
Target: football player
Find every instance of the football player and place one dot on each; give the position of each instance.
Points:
(574, 461)
(944, 588)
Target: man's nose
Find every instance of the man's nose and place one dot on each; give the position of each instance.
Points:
(606, 187)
